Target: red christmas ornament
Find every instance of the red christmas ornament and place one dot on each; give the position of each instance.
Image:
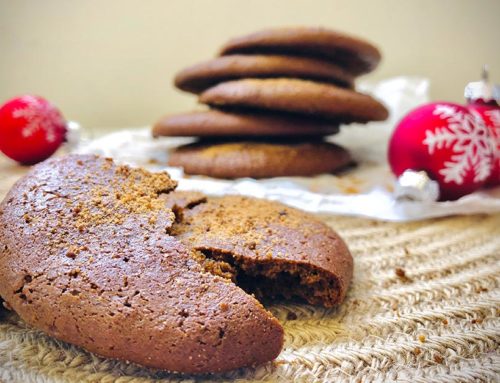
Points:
(31, 129)
(484, 98)
(449, 142)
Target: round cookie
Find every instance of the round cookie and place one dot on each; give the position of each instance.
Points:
(296, 96)
(277, 251)
(199, 77)
(259, 159)
(86, 257)
(213, 123)
(354, 54)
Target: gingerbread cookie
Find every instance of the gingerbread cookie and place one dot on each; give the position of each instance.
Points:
(86, 256)
(355, 55)
(259, 159)
(296, 96)
(214, 123)
(199, 77)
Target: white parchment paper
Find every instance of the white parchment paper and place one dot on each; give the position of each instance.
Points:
(366, 190)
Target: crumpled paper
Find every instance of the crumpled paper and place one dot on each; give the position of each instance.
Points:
(367, 190)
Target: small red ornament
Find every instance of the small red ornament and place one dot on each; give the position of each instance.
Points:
(449, 142)
(31, 129)
(484, 98)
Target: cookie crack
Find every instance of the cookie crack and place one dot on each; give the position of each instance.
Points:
(272, 279)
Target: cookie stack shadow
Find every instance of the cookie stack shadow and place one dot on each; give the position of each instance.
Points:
(273, 96)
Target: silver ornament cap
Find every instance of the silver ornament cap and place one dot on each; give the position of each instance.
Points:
(482, 90)
(415, 185)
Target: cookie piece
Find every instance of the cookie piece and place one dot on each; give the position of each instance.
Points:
(259, 159)
(86, 257)
(199, 77)
(296, 96)
(353, 54)
(273, 250)
(179, 200)
(214, 123)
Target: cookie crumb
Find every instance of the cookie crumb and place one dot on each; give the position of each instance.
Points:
(401, 274)
(421, 338)
(417, 351)
(445, 322)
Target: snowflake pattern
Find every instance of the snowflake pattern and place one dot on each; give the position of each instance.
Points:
(38, 116)
(467, 137)
(494, 116)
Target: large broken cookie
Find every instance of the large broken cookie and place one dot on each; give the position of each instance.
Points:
(109, 258)
(86, 257)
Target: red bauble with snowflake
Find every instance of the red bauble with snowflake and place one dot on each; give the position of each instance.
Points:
(449, 142)
(491, 117)
(31, 129)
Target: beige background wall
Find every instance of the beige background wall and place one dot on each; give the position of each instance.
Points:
(110, 63)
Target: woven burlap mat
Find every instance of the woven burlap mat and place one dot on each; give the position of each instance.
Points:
(424, 306)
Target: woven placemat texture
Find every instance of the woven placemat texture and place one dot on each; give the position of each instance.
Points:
(424, 306)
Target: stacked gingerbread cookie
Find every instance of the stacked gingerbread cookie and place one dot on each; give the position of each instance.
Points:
(273, 96)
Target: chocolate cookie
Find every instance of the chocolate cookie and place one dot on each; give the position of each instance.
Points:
(296, 96)
(270, 249)
(213, 123)
(86, 256)
(259, 159)
(199, 77)
(353, 54)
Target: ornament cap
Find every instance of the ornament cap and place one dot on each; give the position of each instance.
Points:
(415, 185)
(482, 90)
